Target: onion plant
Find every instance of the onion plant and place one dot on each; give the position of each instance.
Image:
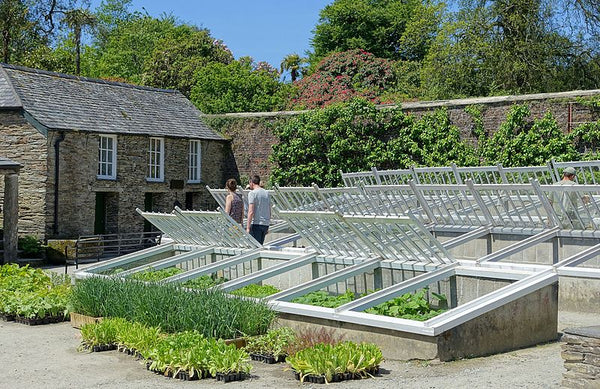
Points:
(171, 307)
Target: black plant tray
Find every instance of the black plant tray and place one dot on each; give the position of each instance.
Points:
(7, 317)
(185, 376)
(39, 320)
(320, 379)
(129, 351)
(229, 377)
(270, 359)
(104, 347)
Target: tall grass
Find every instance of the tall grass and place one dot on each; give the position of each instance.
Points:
(172, 308)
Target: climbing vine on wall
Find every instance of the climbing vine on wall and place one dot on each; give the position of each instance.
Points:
(356, 136)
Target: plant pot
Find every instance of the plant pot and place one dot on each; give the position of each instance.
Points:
(228, 377)
(7, 317)
(78, 320)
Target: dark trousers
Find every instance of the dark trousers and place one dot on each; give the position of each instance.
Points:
(259, 232)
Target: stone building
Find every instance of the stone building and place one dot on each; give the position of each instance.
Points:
(93, 151)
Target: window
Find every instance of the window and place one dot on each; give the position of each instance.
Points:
(156, 163)
(194, 161)
(107, 157)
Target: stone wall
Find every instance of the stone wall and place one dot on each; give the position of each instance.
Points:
(252, 134)
(581, 355)
(79, 184)
(22, 143)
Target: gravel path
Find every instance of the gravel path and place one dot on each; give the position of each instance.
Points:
(46, 357)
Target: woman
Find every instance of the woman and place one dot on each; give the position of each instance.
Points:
(234, 203)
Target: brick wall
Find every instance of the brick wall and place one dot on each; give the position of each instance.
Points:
(21, 142)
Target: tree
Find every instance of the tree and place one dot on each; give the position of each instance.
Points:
(392, 29)
(14, 24)
(77, 20)
(240, 86)
(505, 47)
(342, 76)
(178, 55)
(129, 46)
(294, 64)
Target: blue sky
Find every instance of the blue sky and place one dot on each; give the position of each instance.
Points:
(266, 30)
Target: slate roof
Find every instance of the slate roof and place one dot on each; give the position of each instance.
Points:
(62, 102)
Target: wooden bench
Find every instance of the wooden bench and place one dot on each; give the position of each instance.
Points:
(97, 247)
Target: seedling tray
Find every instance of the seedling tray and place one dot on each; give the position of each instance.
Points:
(229, 377)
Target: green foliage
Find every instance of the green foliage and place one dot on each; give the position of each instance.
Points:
(187, 351)
(171, 308)
(204, 282)
(30, 246)
(412, 306)
(586, 139)
(520, 141)
(355, 136)
(177, 56)
(129, 47)
(328, 360)
(156, 275)
(342, 76)
(240, 86)
(274, 343)
(31, 293)
(321, 298)
(254, 290)
(390, 29)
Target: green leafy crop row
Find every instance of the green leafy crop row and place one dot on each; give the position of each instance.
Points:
(171, 307)
(413, 306)
(188, 351)
(329, 360)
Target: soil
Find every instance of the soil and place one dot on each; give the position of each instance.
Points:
(46, 356)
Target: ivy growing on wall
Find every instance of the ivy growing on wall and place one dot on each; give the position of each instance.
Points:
(356, 136)
(314, 146)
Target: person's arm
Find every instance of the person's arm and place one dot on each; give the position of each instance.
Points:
(228, 201)
(250, 216)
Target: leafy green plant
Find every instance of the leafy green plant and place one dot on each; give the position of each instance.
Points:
(329, 360)
(413, 306)
(204, 282)
(254, 290)
(322, 298)
(33, 294)
(152, 275)
(228, 360)
(105, 332)
(30, 246)
(274, 343)
(171, 307)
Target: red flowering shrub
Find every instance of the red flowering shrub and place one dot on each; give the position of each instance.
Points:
(342, 76)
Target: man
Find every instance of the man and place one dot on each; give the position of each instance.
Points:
(566, 204)
(259, 211)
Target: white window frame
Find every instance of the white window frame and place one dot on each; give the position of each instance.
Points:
(156, 160)
(194, 161)
(103, 159)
